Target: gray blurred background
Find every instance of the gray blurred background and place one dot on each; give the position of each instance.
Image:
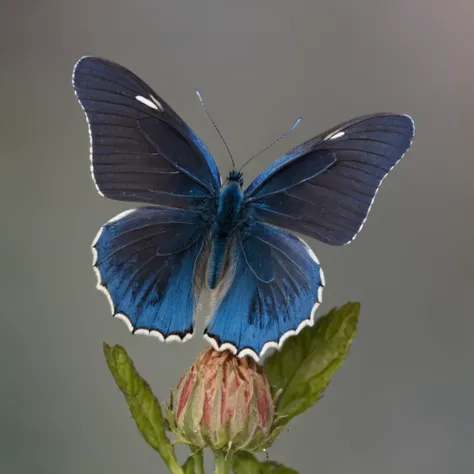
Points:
(403, 402)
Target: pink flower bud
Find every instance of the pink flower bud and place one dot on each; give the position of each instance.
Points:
(223, 401)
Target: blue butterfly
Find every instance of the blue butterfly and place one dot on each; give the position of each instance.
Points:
(152, 262)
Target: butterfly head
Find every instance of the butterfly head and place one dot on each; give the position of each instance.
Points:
(236, 176)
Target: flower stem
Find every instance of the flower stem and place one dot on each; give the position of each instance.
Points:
(199, 462)
(174, 468)
(222, 464)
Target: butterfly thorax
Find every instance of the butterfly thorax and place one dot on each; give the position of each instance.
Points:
(227, 218)
(229, 206)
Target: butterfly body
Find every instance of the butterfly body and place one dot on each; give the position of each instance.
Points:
(152, 262)
(228, 218)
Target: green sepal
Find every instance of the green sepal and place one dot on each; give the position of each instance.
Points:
(302, 370)
(170, 414)
(143, 405)
(247, 463)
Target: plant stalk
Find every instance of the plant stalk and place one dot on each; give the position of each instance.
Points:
(222, 463)
(199, 462)
(173, 465)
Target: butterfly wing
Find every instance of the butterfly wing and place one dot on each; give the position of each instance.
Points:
(141, 150)
(326, 187)
(270, 290)
(150, 262)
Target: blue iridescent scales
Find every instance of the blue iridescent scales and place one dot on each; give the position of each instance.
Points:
(153, 262)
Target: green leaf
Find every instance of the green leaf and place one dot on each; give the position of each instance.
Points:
(143, 405)
(301, 371)
(272, 467)
(246, 463)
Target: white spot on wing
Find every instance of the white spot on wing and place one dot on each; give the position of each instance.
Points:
(147, 102)
(227, 346)
(176, 338)
(247, 353)
(309, 250)
(322, 278)
(94, 256)
(157, 102)
(157, 334)
(121, 215)
(336, 135)
(125, 319)
(187, 337)
(320, 294)
(107, 294)
(97, 237)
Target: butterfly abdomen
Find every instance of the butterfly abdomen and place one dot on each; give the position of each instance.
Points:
(227, 217)
(217, 261)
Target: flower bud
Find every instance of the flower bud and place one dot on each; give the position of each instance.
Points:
(223, 401)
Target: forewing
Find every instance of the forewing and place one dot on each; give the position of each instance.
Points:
(150, 262)
(326, 187)
(141, 150)
(270, 290)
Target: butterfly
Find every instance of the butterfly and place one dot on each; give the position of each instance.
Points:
(153, 262)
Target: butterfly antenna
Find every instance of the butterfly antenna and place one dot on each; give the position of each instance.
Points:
(215, 126)
(298, 120)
